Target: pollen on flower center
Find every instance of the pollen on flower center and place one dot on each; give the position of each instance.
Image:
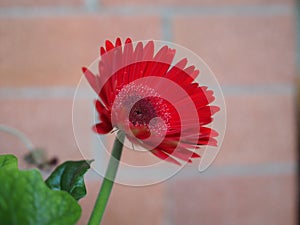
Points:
(142, 105)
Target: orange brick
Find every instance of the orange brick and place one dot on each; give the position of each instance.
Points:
(6, 3)
(192, 2)
(242, 49)
(237, 200)
(47, 123)
(127, 205)
(51, 50)
(259, 129)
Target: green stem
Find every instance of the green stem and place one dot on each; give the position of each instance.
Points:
(108, 181)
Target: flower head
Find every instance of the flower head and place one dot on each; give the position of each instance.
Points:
(156, 103)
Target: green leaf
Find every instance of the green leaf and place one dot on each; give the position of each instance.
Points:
(69, 177)
(25, 199)
(8, 162)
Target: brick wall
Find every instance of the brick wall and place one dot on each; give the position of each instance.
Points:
(250, 46)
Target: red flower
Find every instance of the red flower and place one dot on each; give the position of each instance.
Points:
(157, 105)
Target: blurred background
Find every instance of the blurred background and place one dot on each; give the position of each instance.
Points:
(250, 45)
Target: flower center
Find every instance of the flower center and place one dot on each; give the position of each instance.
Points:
(142, 112)
(141, 105)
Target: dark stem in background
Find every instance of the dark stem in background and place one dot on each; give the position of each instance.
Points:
(108, 181)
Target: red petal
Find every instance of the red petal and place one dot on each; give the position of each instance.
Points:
(148, 51)
(91, 78)
(164, 156)
(208, 132)
(118, 42)
(100, 107)
(195, 74)
(102, 51)
(181, 64)
(109, 45)
(102, 128)
(169, 146)
(208, 141)
(128, 40)
(178, 75)
(180, 155)
(189, 70)
(214, 109)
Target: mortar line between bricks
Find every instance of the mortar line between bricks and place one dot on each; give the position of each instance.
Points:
(256, 90)
(242, 10)
(166, 28)
(168, 207)
(298, 37)
(206, 10)
(213, 172)
(68, 92)
(91, 5)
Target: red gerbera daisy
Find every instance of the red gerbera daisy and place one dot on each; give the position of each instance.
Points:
(158, 106)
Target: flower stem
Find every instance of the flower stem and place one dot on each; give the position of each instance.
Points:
(108, 181)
